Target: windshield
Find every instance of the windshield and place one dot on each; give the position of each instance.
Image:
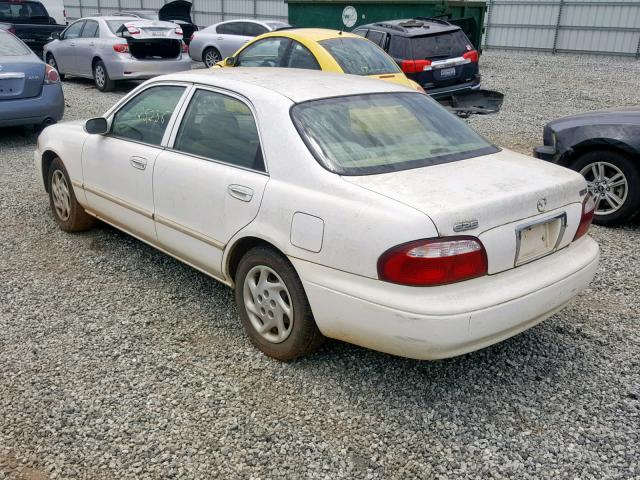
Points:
(11, 10)
(358, 56)
(444, 45)
(10, 46)
(384, 132)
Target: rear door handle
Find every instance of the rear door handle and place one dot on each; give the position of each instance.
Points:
(220, 38)
(240, 192)
(138, 162)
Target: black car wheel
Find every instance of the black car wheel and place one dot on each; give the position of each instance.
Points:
(51, 61)
(211, 56)
(614, 182)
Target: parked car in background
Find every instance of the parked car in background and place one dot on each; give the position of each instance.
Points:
(178, 11)
(29, 21)
(319, 49)
(109, 49)
(433, 52)
(212, 44)
(335, 205)
(604, 146)
(56, 10)
(30, 91)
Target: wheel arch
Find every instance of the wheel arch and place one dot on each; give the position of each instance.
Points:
(592, 144)
(238, 249)
(95, 60)
(47, 159)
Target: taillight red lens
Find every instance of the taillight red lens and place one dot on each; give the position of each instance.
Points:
(179, 31)
(121, 47)
(435, 261)
(50, 75)
(588, 211)
(472, 56)
(414, 66)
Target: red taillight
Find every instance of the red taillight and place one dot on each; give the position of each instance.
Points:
(121, 47)
(414, 66)
(588, 211)
(179, 31)
(50, 75)
(435, 261)
(133, 30)
(472, 56)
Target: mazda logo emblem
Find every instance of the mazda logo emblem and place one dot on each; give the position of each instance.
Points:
(542, 204)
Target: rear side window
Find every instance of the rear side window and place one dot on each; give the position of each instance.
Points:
(301, 57)
(233, 28)
(145, 117)
(90, 29)
(377, 37)
(10, 46)
(359, 56)
(253, 29)
(12, 10)
(221, 128)
(399, 47)
(444, 45)
(361, 32)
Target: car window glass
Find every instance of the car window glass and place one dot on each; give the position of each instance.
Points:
(12, 10)
(376, 37)
(10, 46)
(73, 31)
(269, 52)
(253, 29)
(221, 128)
(301, 57)
(232, 28)
(358, 56)
(361, 32)
(90, 29)
(444, 45)
(145, 117)
(399, 47)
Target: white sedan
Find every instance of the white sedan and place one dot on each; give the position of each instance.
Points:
(335, 206)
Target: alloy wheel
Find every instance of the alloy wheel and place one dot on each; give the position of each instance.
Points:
(608, 185)
(268, 304)
(61, 195)
(211, 57)
(100, 76)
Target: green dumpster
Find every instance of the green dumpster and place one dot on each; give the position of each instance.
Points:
(346, 15)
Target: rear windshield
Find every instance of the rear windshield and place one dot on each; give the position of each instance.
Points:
(10, 46)
(358, 56)
(444, 45)
(277, 25)
(384, 132)
(114, 25)
(11, 10)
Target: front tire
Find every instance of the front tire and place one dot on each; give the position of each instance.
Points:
(614, 182)
(273, 306)
(51, 61)
(101, 77)
(68, 213)
(211, 56)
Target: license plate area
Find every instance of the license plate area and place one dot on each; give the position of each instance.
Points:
(540, 238)
(448, 72)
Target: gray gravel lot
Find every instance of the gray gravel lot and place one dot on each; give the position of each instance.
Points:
(117, 361)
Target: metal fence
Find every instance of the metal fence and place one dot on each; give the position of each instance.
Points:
(577, 26)
(204, 13)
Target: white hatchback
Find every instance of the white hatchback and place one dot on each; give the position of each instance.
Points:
(336, 206)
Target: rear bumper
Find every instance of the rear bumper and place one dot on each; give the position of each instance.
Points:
(130, 68)
(460, 88)
(440, 322)
(33, 111)
(545, 152)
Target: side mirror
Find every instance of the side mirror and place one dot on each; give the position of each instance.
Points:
(230, 61)
(96, 126)
(55, 35)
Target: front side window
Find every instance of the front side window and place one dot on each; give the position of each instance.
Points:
(10, 46)
(145, 117)
(73, 31)
(385, 132)
(90, 29)
(301, 57)
(358, 56)
(10, 11)
(222, 128)
(268, 52)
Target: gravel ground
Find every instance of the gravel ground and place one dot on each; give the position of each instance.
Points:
(117, 361)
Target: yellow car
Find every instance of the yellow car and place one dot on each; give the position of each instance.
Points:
(319, 49)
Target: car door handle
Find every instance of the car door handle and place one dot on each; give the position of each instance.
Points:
(240, 192)
(72, 44)
(92, 44)
(220, 38)
(138, 162)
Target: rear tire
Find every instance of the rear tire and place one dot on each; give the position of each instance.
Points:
(614, 181)
(211, 56)
(273, 306)
(101, 77)
(68, 213)
(51, 61)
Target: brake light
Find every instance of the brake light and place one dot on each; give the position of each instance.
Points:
(414, 66)
(50, 75)
(435, 261)
(179, 31)
(133, 30)
(121, 47)
(472, 56)
(185, 48)
(588, 211)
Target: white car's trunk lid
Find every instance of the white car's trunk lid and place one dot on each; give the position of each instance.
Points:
(479, 195)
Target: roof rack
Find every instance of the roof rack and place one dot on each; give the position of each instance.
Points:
(433, 19)
(390, 26)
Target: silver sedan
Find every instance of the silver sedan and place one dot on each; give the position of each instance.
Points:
(225, 38)
(108, 49)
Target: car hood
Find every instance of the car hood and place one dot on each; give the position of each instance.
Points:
(492, 189)
(176, 10)
(605, 117)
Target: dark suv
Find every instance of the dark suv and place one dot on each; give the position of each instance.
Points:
(430, 51)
